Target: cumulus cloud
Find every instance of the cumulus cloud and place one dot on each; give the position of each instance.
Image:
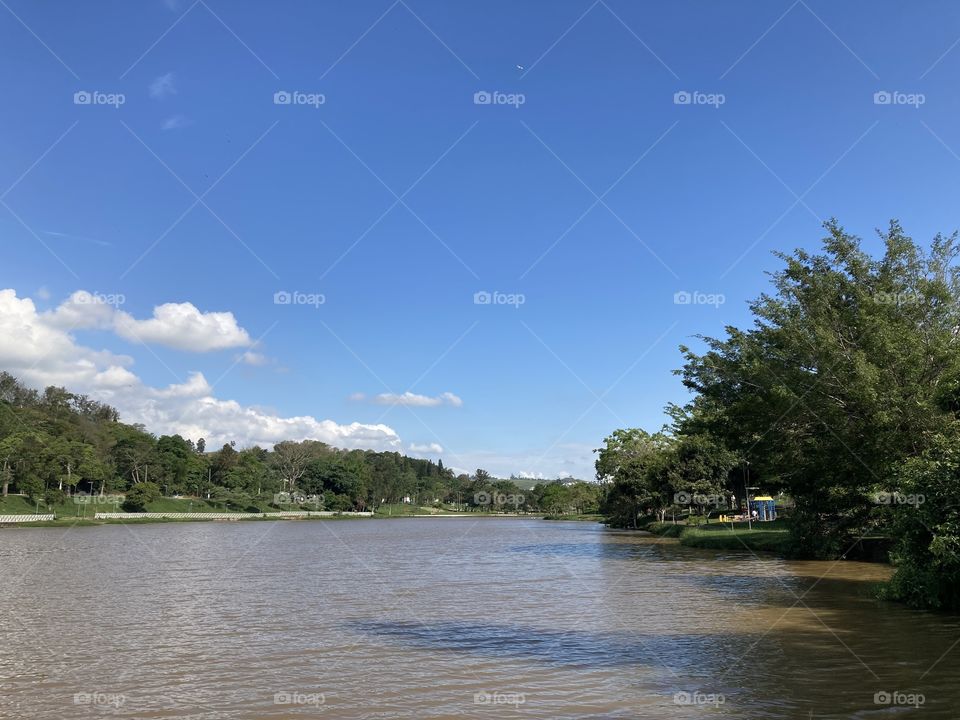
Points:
(163, 86)
(43, 354)
(429, 448)
(81, 311)
(413, 399)
(183, 326)
(40, 350)
(177, 325)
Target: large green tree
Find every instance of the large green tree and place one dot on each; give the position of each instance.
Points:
(843, 376)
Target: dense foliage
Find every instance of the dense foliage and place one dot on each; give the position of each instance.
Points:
(54, 444)
(843, 395)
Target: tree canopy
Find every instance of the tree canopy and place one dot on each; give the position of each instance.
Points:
(845, 389)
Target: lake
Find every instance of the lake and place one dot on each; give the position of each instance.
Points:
(449, 618)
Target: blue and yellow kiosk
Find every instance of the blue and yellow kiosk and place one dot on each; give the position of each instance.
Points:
(765, 508)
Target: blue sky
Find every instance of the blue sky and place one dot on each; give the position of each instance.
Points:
(399, 197)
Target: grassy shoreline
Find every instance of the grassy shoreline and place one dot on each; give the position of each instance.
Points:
(763, 537)
(70, 514)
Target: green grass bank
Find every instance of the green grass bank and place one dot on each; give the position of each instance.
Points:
(763, 537)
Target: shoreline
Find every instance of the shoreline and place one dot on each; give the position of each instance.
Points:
(160, 518)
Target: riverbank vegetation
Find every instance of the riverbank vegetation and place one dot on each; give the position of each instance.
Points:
(761, 537)
(843, 395)
(68, 454)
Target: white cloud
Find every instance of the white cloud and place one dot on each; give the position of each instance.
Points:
(254, 358)
(177, 325)
(414, 400)
(163, 86)
(43, 354)
(39, 349)
(183, 326)
(175, 122)
(115, 378)
(81, 311)
(430, 448)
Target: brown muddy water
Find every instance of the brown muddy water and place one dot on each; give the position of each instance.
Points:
(449, 618)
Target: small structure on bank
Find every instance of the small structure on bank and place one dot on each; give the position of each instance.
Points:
(764, 507)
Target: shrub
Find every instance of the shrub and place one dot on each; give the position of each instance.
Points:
(139, 496)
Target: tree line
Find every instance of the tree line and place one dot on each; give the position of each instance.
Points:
(55, 444)
(842, 396)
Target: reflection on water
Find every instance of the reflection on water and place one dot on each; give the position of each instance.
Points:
(553, 647)
(449, 618)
